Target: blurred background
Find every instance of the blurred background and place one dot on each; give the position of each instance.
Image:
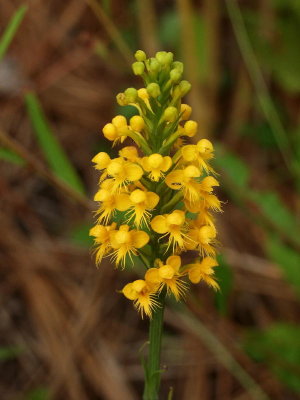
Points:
(65, 332)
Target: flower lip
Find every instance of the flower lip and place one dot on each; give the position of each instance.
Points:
(138, 196)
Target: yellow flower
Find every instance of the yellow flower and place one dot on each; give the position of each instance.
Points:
(203, 239)
(203, 270)
(125, 242)
(142, 294)
(168, 275)
(123, 172)
(137, 123)
(206, 200)
(117, 130)
(199, 154)
(140, 203)
(101, 160)
(185, 179)
(204, 217)
(102, 239)
(129, 153)
(185, 111)
(109, 201)
(190, 128)
(156, 164)
(173, 225)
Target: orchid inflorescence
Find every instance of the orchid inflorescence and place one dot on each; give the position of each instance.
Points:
(156, 199)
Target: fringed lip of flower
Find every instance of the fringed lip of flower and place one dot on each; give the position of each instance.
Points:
(173, 225)
(126, 242)
(168, 275)
(143, 296)
(203, 270)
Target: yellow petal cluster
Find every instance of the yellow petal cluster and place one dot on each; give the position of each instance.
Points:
(156, 199)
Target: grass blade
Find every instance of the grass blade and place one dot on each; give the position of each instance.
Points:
(9, 155)
(11, 29)
(54, 153)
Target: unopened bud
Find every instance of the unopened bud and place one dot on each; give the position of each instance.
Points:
(164, 58)
(190, 128)
(131, 95)
(185, 111)
(153, 89)
(154, 65)
(137, 123)
(184, 87)
(170, 114)
(138, 68)
(119, 120)
(110, 132)
(121, 99)
(140, 55)
(143, 94)
(178, 65)
(175, 75)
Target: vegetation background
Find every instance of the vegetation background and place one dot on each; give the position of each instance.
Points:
(65, 332)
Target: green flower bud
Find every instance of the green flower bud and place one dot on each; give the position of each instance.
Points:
(164, 58)
(154, 65)
(178, 65)
(175, 75)
(170, 114)
(121, 99)
(184, 87)
(138, 68)
(153, 89)
(140, 55)
(131, 95)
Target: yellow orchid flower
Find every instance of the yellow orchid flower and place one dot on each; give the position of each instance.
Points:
(139, 203)
(203, 239)
(142, 294)
(184, 179)
(172, 225)
(203, 271)
(101, 234)
(167, 275)
(125, 242)
(109, 201)
(122, 173)
(129, 153)
(156, 164)
(199, 154)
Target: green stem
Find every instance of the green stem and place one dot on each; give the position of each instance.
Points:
(153, 370)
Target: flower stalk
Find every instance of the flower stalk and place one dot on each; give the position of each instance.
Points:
(152, 365)
(156, 199)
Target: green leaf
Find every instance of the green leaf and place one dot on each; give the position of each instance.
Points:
(224, 277)
(9, 352)
(8, 155)
(276, 212)
(235, 169)
(54, 153)
(11, 29)
(127, 111)
(286, 258)
(279, 348)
